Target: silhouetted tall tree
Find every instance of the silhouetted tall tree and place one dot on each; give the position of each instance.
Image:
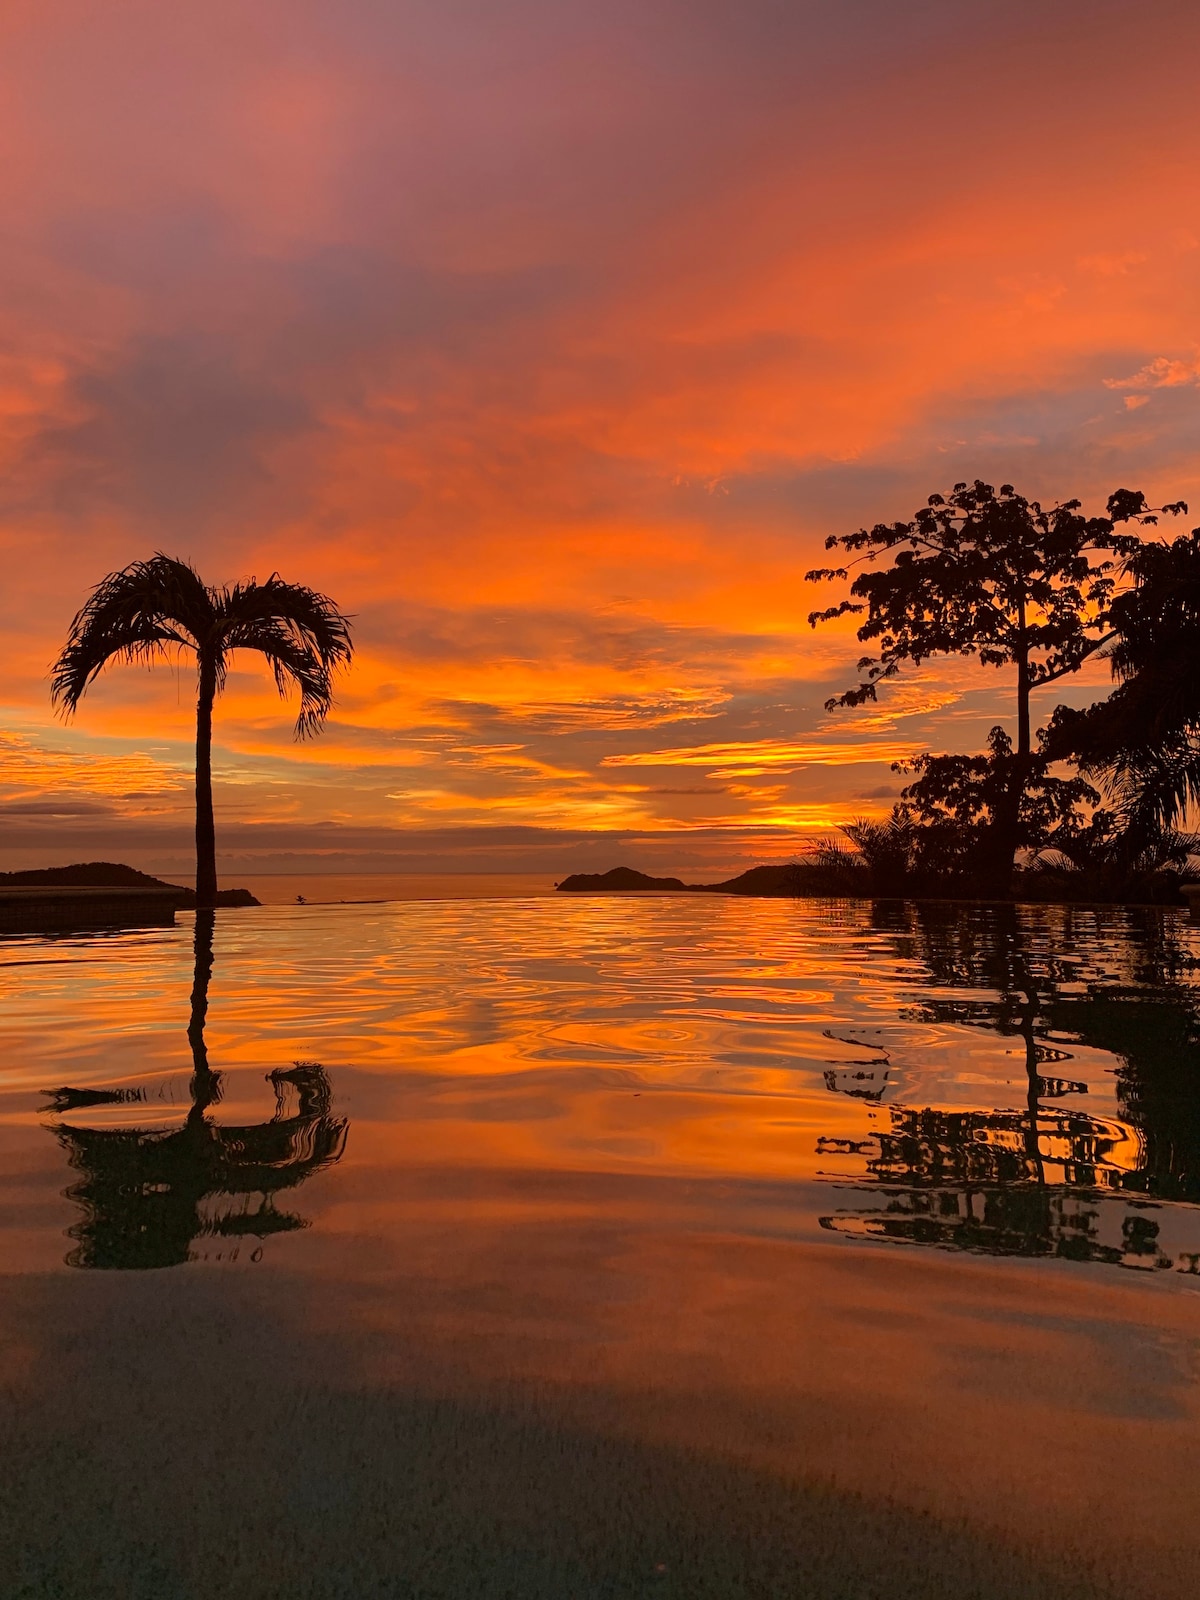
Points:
(153, 608)
(992, 575)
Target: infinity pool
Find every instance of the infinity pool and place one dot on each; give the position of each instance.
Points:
(603, 1246)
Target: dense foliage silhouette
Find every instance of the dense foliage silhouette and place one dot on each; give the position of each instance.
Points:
(994, 575)
(1143, 742)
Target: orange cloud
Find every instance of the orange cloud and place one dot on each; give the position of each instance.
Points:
(29, 770)
(764, 754)
(1161, 373)
(552, 344)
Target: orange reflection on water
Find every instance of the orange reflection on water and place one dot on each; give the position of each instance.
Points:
(647, 1164)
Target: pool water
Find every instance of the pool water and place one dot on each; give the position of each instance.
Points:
(603, 1246)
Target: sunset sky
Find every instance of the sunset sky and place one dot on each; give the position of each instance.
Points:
(552, 339)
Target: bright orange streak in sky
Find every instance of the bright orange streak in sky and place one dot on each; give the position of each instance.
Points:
(552, 340)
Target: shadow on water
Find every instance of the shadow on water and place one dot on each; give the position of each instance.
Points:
(1040, 1178)
(148, 1195)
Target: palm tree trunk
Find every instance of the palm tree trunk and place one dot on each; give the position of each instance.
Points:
(206, 834)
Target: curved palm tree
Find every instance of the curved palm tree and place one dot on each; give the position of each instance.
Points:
(154, 608)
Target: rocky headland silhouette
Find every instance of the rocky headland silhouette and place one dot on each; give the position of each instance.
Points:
(114, 875)
(770, 880)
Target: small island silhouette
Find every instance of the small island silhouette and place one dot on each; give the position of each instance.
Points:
(113, 875)
(784, 880)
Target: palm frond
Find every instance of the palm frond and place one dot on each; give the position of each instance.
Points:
(303, 635)
(831, 854)
(1155, 786)
(881, 842)
(132, 615)
(293, 667)
(309, 617)
(1057, 860)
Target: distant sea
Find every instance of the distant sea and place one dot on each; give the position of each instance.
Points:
(333, 888)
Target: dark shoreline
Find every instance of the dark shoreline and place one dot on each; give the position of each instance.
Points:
(96, 894)
(792, 882)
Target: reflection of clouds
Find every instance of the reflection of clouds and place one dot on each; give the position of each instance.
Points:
(666, 1040)
(581, 1184)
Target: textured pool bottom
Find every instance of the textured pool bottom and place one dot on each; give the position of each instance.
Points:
(239, 1437)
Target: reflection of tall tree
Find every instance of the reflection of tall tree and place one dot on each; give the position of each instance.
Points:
(958, 951)
(1156, 1041)
(1120, 988)
(1011, 1222)
(1009, 1181)
(148, 1195)
(931, 1149)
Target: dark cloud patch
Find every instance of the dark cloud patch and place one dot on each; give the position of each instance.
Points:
(838, 494)
(355, 301)
(56, 809)
(1072, 439)
(175, 430)
(1070, 436)
(533, 634)
(186, 242)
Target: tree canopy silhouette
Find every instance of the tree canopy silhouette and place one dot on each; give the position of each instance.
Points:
(991, 574)
(959, 806)
(155, 608)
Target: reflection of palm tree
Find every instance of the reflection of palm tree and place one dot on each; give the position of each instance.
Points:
(202, 946)
(143, 1192)
(147, 1195)
(154, 607)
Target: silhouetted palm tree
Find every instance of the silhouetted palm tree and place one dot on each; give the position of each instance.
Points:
(153, 607)
(887, 848)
